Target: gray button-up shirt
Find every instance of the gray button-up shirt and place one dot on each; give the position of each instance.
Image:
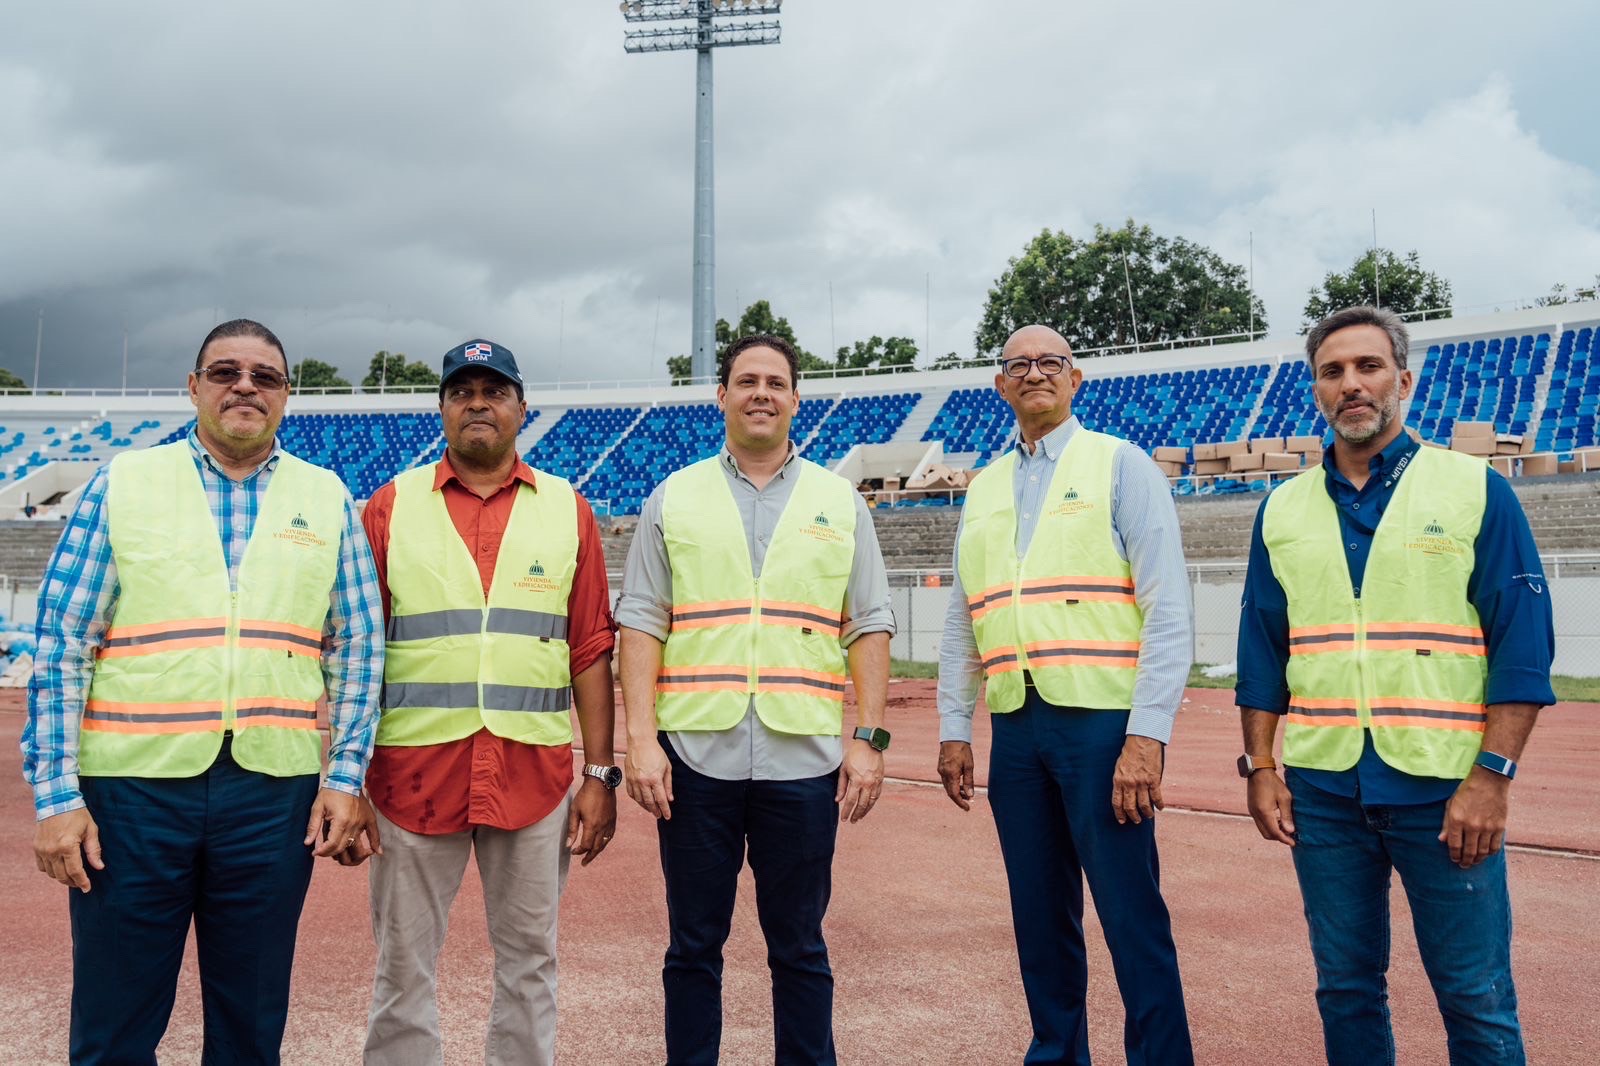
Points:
(1144, 528)
(749, 750)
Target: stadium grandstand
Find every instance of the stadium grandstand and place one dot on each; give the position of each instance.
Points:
(1526, 382)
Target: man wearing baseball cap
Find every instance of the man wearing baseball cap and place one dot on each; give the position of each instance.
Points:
(499, 623)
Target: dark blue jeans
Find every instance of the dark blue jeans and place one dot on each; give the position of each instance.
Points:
(222, 849)
(1050, 787)
(789, 828)
(1343, 854)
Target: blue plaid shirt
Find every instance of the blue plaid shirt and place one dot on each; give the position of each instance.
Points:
(79, 594)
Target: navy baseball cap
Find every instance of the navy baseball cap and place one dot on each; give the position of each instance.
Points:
(482, 353)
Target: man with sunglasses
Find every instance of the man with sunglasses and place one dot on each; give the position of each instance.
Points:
(204, 596)
(1071, 604)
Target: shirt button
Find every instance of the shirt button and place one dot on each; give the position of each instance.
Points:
(1352, 545)
(762, 537)
(1355, 507)
(1035, 477)
(1028, 515)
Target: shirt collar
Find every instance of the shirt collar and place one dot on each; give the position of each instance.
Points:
(1055, 442)
(1387, 465)
(731, 464)
(200, 454)
(444, 473)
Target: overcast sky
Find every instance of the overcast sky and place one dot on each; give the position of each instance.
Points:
(407, 175)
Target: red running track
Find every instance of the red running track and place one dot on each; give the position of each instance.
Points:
(919, 929)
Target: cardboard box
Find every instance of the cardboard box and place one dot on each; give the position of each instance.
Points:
(1211, 466)
(1567, 466)
(1586, 459)
(1245, 461)
(1171, 455)
(1506, 447)
(1204, 451)
(1528, 443)
(1280, 461)
(1474, 429)
(1263, 445)
(1302, 444)
(1503, 464)
(1231, 448)
(1539, 465)
(1483, 446)
(1170, 469)
(1314, 458)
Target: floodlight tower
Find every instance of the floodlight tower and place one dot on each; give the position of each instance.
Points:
(696, 30)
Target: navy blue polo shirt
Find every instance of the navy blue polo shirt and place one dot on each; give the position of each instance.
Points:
(1507, 587)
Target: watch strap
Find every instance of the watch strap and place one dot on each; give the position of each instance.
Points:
(1494, 762)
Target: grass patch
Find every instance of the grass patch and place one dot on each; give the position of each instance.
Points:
(907, 668)
(1568, 689)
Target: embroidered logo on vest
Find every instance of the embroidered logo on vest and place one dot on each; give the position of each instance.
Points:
(535, 581)
(299, 532)
(819, 528)
(1435, 541)
(1071, 505)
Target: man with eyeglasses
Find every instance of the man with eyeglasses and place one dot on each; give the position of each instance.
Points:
(499, 625)
(1071, 606)
(203, 598)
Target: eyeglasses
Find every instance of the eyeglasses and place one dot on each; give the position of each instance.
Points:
(266, 379)
(1049, 366)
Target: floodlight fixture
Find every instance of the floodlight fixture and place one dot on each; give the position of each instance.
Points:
(697, 31)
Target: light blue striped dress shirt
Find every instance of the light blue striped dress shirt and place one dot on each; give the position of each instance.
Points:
(79, 593)
(1144, 528)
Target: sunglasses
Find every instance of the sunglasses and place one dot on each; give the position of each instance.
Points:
(266, 379)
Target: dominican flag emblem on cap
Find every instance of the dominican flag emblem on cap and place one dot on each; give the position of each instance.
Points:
(478, 352)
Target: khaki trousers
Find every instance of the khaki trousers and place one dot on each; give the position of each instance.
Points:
(413, 884)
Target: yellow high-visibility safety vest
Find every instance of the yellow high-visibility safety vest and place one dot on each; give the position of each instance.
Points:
(1406, 658)
(733, 635)
(185, 657)
(1065, 612)
(456, 662)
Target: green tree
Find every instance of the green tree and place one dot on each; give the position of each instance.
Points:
(952, 360)
(1081, 289)
(1560, 294)
(878, 356)
(757, 318)
(1402, 286)
(314, 374)
(8, 380)
(391, 370)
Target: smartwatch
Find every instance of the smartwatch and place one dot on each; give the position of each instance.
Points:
(1249, 764)
(609, 776)
(1496, 763)
(878, 738)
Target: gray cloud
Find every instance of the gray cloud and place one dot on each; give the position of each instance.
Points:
(404, 175)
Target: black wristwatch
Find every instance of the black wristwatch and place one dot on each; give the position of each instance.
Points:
(878, 738)
(609, 776)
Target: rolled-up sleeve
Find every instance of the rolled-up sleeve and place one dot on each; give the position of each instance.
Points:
(646, 600)
(867, 606)
(1509, 591)
(1146, 521)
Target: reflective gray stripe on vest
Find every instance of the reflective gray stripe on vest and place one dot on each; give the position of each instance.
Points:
(528, 623)
(450, 694)
(523, 698)
(431, 625)
(463, 695)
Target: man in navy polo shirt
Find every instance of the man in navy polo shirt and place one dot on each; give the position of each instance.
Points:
(1395, 612)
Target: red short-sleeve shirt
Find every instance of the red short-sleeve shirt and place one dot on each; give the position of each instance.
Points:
(484, 779)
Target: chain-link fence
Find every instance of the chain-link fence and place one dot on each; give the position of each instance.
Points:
(1572, 582)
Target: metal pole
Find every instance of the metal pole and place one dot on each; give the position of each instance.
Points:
(927, 312)
(38, 348)
(1128, 281)
(833, 335)
(1252, 297)
(1377, 283)
(705, 313)
(124, 360)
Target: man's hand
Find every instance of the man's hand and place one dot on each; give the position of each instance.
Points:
(955, 770)
(592, 821)
(333, 823)
(1136, 782)
(1271, 805)
(648, 775)
(1475, 818)
(365, 830)
(63, 842)
(860, 780)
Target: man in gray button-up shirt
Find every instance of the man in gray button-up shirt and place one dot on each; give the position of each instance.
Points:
(1074, 790)
(718, 793)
